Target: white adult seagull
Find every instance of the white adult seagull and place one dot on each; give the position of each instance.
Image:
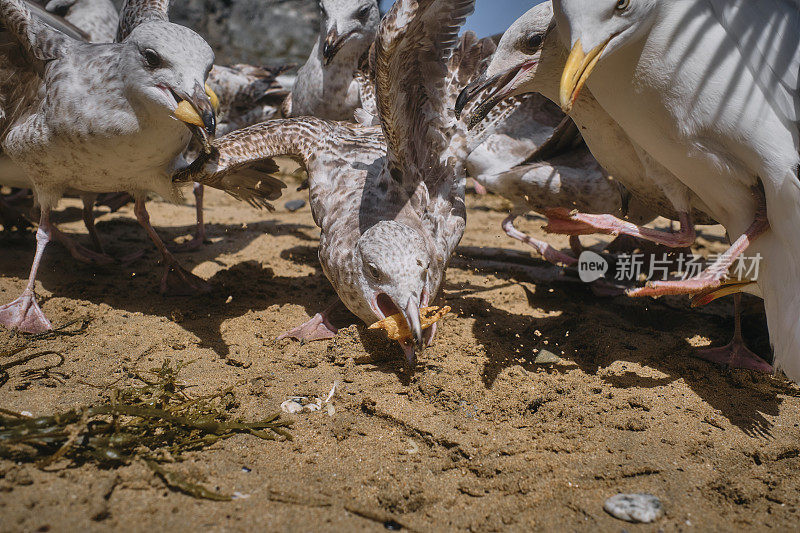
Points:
(711, 90)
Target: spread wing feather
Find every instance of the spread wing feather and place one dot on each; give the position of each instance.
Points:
(241, 163)
(409, 62)
(38, 41)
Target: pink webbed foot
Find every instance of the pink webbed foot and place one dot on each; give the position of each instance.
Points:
(85, 255)
(81, 253)
(177, 281)
(25, 315)
(316, 329)
(735, 355)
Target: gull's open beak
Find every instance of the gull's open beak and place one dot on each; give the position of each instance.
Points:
(198, 111)
(500, 87)
(577, 70)
(411, 314)
(726, 289)
(333, 43)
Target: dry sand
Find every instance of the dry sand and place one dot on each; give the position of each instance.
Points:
(480, 438)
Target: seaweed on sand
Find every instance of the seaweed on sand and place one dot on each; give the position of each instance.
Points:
(156, 421)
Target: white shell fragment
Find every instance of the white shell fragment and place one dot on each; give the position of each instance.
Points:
(636, 508)
(291, 407)
(316, 405)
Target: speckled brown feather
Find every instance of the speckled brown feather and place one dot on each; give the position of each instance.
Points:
(414, 40)
(38, 41)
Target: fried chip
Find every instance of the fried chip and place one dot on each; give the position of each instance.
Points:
(397, 329)
(187, 113)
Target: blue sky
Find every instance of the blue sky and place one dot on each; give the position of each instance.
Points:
(491, 16)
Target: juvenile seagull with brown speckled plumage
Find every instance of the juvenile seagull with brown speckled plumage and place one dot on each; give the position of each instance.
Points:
(390, 198)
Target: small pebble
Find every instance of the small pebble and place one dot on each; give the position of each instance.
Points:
(546, 357)
(294, 205)
(636, 508)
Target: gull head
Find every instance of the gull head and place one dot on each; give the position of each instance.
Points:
(348, 24)
(513, 67)
(394, 276)
(593, 30)
(165, 67)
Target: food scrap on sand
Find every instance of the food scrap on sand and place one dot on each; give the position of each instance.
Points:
(397, 328)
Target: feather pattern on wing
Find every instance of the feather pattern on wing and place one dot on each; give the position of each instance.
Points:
(39, 42)
(240, 162)
(20, 68)
(135, 12)
(409, 62)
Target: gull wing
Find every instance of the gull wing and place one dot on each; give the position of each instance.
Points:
(241, 164)
(409, 62)
(767, 33)
(135, 12)
(38, 41)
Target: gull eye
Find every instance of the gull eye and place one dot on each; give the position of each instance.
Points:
(152, 58)
(534, 42)
(374, 271)
(622, 5)
(363, 13)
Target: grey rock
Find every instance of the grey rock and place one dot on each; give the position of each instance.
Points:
(268, 32)
(294, 205)
(636, 508)
(546, 357)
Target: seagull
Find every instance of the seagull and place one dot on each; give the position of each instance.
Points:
(566, 177)
(11, 174)
(389, 199)
(326, 86)
(530, 58)
(711, 92)
(100, 118)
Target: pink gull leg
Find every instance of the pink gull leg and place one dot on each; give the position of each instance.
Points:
(565, 222)
(199, 238)
(24, 313)
(547, 251)
(714, 274)
(176, 280)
